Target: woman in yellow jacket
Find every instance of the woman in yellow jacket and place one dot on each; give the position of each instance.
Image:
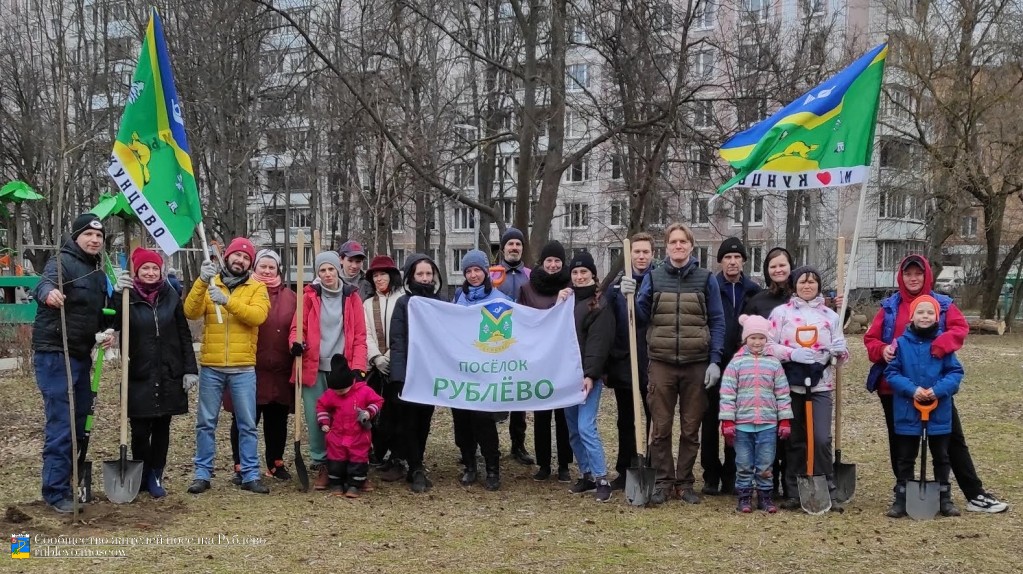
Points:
(228, 359)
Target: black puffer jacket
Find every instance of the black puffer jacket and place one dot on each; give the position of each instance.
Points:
(160, 352)
(398, 338)
(595, 331)
(85, 289)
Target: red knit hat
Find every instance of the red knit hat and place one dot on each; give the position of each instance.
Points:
(243, 245)
(923, 299)
(141, 256)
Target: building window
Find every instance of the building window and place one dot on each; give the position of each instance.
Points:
(579, 171)
(968, 227)
(900, 103)
(506, 167)
(456, 261)
(397, 220)
(399, 256)
(507, 207)
(897, 154)
(891, 253)
(704, 64)
(616, 166)
(577, 34)
(577, 215)
(613, 253)
(619, 214)
(698, 212)
(275, 217)
(577, 77)
(660, 17)
(703, 113)
(299, 217)
(892, 205)
(575, 125)
(756, 257)
(757, 9)
(465, 219)
(749, 111)
(703, 255)
(751, 211)
(464, 175)
(705, 14)
(659, 213)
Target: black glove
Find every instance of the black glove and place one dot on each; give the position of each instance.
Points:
(297, 349)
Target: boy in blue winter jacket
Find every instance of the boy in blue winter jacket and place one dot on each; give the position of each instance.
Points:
(916, 375)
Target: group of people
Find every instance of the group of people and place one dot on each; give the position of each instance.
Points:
(737, 361)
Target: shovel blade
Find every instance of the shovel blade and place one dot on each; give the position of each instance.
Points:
(814, 496)
(639, 485)
(122, 480)
(923, 499)
(300, 469)
(845, 481)
(85, 482)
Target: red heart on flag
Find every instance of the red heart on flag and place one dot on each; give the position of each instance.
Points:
(824, 177)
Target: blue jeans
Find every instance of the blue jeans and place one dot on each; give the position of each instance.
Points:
(211, 395)
(584, 436)
(754, 459)
(51, 378)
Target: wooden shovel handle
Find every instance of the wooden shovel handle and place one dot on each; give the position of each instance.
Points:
(630, 304)
(299, 316)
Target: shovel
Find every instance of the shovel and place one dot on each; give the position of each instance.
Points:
(844, 473)
(639, 478)
(300, 469)
(814, 496)
(85, 466)
(923, 499)
(122, 477)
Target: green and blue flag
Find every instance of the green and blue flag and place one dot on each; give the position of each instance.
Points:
(823, 139)
(150, 162)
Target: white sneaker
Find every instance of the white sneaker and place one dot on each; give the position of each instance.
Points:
(986, 503)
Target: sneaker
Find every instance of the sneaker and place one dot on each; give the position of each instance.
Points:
(986, 502)
(279, 471)
(619, 482)
(543, 474)
(660, 496)
(237, 480)
(420, 483)
(564, 475)
(352, 492)
(583, 485)
(603, 490)
(64, 506)
(256, 486)
(688, 495)
(198, 486)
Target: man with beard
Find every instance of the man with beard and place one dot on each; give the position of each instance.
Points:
(619, 370)
(228, 359)
(547, 279)
(352, 257)
(510, 280)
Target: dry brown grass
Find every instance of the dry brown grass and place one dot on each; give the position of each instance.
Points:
(537, 527)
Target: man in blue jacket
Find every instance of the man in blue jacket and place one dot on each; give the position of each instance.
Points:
(680, 304)
(736, 289)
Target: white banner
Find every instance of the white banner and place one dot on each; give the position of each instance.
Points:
(492, 357)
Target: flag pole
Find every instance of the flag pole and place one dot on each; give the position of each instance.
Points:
(855, 245)
(206, 257)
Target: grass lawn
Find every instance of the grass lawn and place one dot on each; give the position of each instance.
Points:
(527, 526)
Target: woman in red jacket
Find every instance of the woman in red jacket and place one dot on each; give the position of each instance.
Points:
(914, 277)
(274, 393)
(333, 322)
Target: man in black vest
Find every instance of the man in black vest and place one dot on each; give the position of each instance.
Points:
(680, 305)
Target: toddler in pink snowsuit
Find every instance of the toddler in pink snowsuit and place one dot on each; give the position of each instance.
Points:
(345, 412)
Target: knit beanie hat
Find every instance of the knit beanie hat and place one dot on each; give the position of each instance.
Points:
(923, 299)
(475, 258)
(754, 325)
(552, 249)
(731, 245)
(269, 254)
(583, 259)
(86, 221)
(330, 257)
(241, 244)
(512, 233)
(340, 376)
(141, 256)
(800, 271)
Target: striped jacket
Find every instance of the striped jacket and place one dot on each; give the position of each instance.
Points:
(754, 390)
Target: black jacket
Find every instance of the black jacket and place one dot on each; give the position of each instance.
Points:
(595, 331)
(735, 299)
(619, 367)
(764, 302)
(160, 354)
(85, 290)
(398, 338)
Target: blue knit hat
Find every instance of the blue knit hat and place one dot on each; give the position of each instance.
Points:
(475, 258)
(512, 233)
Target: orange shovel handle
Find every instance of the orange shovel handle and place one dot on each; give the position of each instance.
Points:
(925, 408)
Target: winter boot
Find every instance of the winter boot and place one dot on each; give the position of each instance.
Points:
(396, 472)
(154, 483)
(898, 507)
(493, 481)
(471, 473)
(278, 471)
(322, 478)
(948, 508)
(237, 480)
(745, 504)
(764, 501)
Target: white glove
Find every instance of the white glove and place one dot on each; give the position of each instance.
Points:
(803, 355)
(105, 338)
(123, 280)
(838, 348)
(712, 376)
(189, 382)
(217, 295)
(628, 285)
(207, 270)
(383, 364)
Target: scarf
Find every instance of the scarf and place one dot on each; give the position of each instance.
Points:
(231, 280)
(421, 289)
(549, 283)
(476, 293)
(925, 333)
(148, 291)
(270, 282)
(582, 293)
